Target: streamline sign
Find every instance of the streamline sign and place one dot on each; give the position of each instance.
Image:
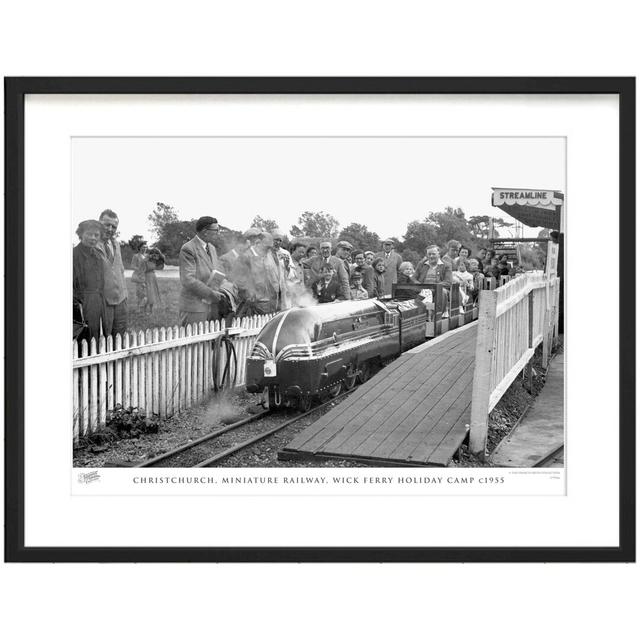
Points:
(526, 197)
(535, 208)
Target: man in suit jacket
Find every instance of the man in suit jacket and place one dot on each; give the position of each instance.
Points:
(325, 258)
(199, 302)
(392, 262)
(115, 285)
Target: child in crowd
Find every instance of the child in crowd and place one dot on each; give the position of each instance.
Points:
(327, 288)
(478, 279)
(407, 274)
(464, 279)
(358, 292)
(379, 278)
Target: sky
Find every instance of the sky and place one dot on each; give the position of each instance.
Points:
(384, 183)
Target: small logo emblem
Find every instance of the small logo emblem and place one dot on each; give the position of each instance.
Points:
(90, 476)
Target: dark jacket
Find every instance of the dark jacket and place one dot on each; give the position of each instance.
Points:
(88, 287)
(392, 264)
(315, 264)
(327, 292)
(379, 284)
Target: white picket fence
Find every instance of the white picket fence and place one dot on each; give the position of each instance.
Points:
(162, 370)
(512, 321)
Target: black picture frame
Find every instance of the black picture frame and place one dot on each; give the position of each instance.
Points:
(15, 91)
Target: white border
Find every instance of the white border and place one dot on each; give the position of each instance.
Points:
(53, 517)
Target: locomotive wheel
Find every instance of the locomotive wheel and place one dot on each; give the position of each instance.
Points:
(335, 390)
(304, 403)
(364, 373)
(350, 379)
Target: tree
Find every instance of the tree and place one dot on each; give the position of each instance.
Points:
(450, 224)
(360, 237)
(162, 215)
(312, 223)
(419, 235)
(173, 235)
(264, 224)
(480, 226)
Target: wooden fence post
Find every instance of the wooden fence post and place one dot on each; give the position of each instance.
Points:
(529, 366)
(482, 373)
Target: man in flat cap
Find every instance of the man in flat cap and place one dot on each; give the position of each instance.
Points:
(325, 257)
(343, 251)
(199, 297)
(392, 262)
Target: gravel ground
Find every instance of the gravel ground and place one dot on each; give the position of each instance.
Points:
(232, 407)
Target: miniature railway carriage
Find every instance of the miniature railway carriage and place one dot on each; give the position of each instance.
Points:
(304, 353)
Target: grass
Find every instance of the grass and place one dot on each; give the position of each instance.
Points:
(165, 314)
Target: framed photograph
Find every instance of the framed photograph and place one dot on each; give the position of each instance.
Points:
(320, 319)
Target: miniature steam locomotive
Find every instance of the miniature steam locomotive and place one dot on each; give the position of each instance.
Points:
(315, 352)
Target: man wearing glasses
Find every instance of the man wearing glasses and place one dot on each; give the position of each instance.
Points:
(115, 286)
(200, 273)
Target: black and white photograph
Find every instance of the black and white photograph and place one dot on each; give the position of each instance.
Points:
(318, 302)
(350, 310)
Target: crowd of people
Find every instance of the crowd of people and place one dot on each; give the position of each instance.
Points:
(260, 274)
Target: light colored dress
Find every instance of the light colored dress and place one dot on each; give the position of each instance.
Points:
(138, 264)
(153, 292)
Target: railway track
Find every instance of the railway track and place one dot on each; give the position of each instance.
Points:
(554, 458)
(222, 443)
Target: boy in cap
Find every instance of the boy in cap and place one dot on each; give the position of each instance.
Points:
(358, 292)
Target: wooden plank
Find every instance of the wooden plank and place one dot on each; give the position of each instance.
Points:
(453, 416)
(175, 389)
(135, 389)
(93, 398)
(398, 409)
(367, 391)
(381, 416)
(412, 413)
(76, 395)
(162, 374)
(139, 361)
(118, 368)
(453, 439)
(170, 353)
(483, 375)
(126, 375)
(183, 372)
(187, 371)
(421, 423)
(102, 385)
(110, 376)
(155, 368)
(84, 382)
(148, 376)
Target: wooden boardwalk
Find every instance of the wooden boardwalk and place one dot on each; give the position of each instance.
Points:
(414, 412)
